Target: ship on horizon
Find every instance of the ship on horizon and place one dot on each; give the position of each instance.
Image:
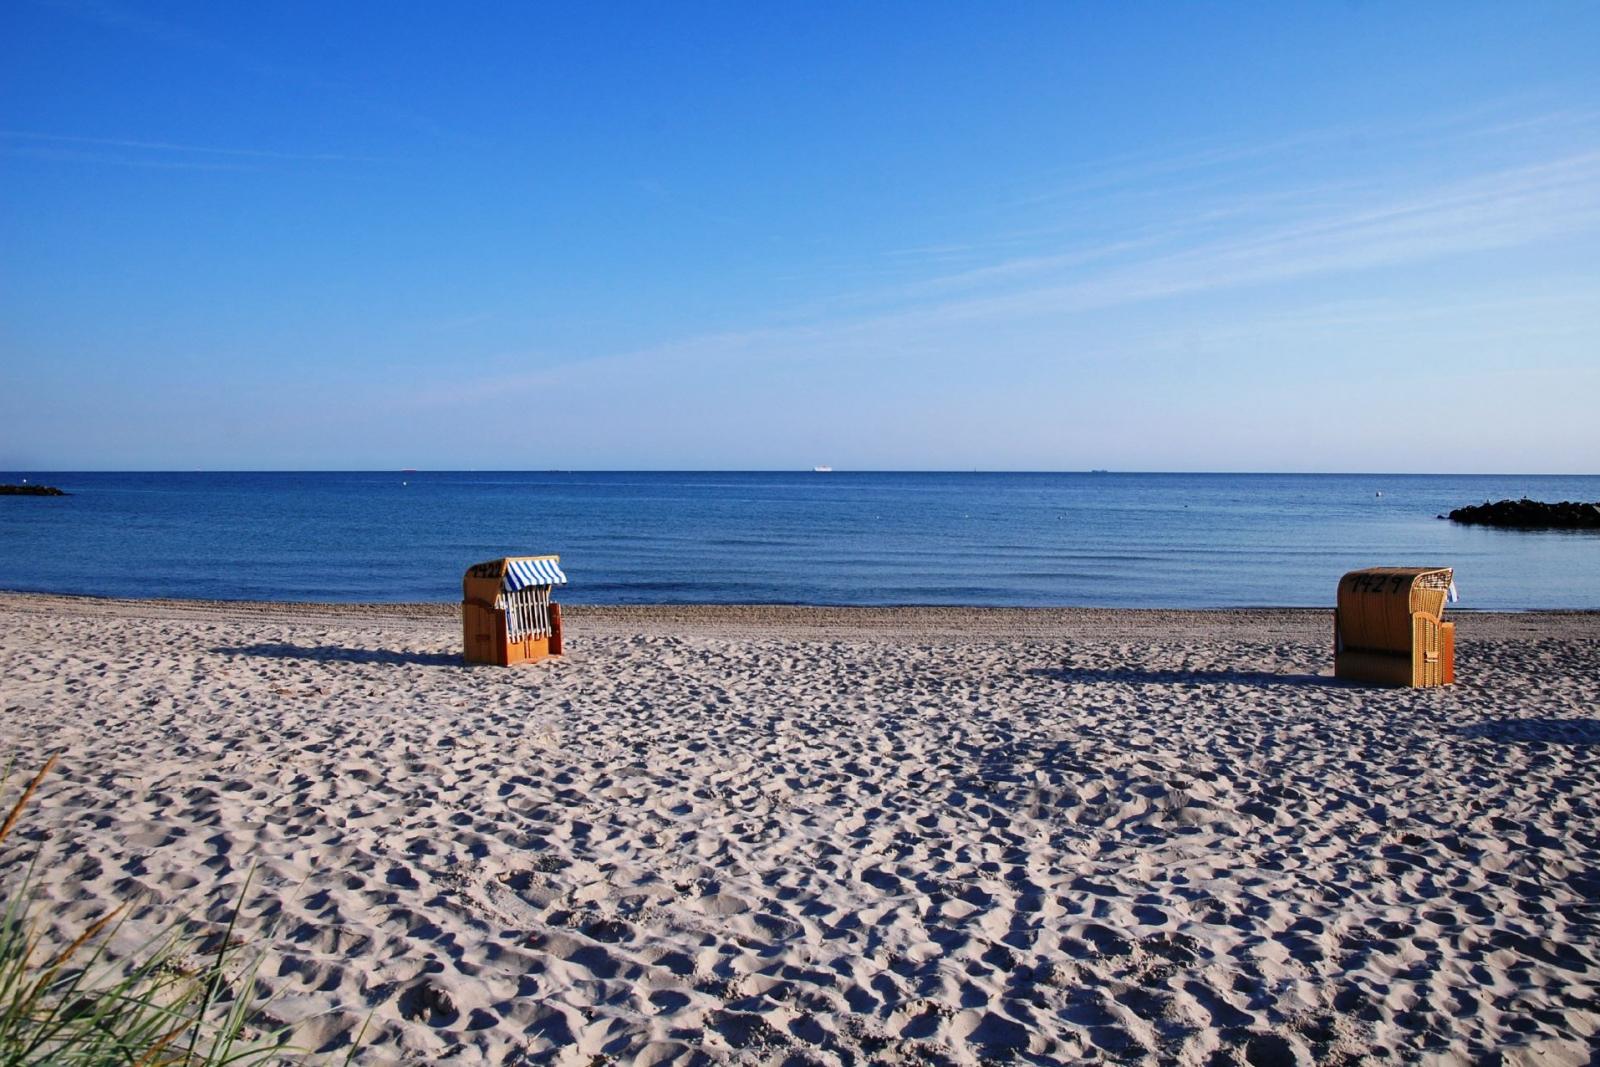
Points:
(824, 469)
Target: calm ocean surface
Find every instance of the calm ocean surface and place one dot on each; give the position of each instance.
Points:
(1124, 540)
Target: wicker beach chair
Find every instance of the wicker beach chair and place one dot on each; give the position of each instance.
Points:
(1388, 627)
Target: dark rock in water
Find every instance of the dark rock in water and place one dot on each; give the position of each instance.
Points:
(1528, 514)
(31, 490)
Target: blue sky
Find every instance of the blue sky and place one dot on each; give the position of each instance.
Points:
(1352, 236)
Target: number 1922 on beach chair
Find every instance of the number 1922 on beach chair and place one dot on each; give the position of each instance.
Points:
(507, 615)
(1388, 627)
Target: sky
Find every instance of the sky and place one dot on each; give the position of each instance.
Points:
(1053, 236)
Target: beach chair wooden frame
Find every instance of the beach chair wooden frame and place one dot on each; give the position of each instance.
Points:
(507, 616)
(1388, 627)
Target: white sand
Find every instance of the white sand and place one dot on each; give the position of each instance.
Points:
(779, 836)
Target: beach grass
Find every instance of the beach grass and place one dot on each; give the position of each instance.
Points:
(78, 1005)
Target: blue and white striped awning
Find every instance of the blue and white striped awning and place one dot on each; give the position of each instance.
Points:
(521, 573)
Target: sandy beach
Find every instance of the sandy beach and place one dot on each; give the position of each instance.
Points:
(834, 836)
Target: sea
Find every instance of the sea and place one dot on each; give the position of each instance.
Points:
(843, 537)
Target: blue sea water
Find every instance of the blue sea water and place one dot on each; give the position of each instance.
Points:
(1122, 540)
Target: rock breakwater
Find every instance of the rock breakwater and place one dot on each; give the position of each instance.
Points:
(1528, 514)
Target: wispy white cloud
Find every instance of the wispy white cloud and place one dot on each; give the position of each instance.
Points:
(57, 154)
(1510, 207)
(1324, 227)
(1202, 165)
(1180, 194)
(168, 148)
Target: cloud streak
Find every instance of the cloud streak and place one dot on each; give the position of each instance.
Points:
(1278, 235)
(1506, 208)
(1180, 197)
(29, 137)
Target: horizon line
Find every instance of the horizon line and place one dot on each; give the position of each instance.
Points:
(804, 470)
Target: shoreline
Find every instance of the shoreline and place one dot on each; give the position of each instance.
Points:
(825, 622)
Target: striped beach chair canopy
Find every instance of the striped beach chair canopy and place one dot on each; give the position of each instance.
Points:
(525, 571)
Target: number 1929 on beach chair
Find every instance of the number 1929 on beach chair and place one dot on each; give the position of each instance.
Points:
(1388, 627)
(507, 615)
